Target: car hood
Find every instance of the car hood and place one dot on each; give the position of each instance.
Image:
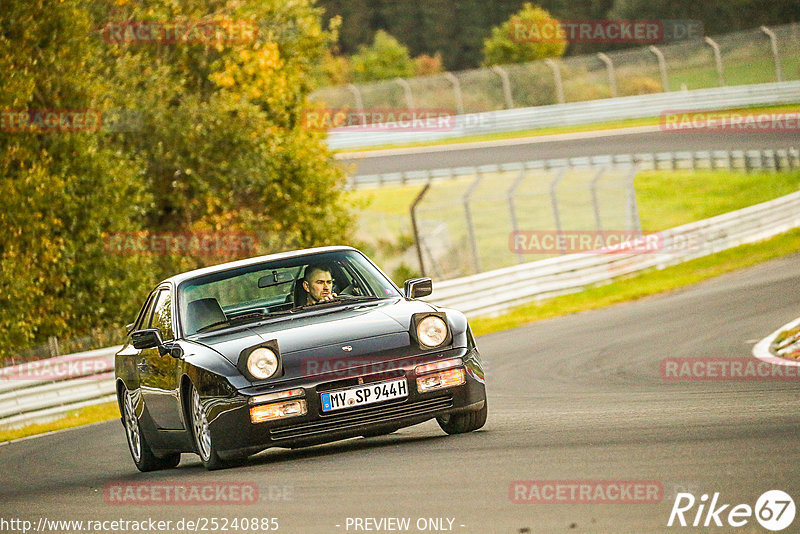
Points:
(312, 343)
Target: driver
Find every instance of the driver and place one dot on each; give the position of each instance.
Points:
(318, 284)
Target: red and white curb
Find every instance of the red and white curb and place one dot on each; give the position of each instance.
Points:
(761, 349)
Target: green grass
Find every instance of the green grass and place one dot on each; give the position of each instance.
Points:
(667, 199)
(645, 284)
(740, 71)
(80, 417)
(552, 130)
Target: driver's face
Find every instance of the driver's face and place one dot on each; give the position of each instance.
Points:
(320, 285)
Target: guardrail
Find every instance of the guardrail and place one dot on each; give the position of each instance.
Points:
(572, 114)
(41, 390)
(748, 160)
(28, 401)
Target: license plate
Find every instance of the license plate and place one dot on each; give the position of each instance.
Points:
(363, 395)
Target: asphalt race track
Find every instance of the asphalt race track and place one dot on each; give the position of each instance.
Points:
(572, 145)
(577, 398)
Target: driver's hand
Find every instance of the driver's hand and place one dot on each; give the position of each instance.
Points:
(329, 298)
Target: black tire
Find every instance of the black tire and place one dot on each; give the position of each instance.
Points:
(201, 432)
(142, 454)
(464, 422)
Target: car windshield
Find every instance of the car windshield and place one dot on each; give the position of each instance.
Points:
(271, 289)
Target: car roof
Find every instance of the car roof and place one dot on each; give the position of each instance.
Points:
(178, 278)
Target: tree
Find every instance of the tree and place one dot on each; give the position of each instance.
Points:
(527, 36)
(385, 59)
(219, 146)
(61, 191)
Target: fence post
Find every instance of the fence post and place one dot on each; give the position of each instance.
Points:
(407, 92)
(773, 41)
(512, 208)
(473, 243)
(506, 85)
(662, 66)
(415, 227)
(52, 343)
(612, 77)
(554, 201)
(595, 202)
(557, 76)
(457, 91)
(717, 60)
(357, 95)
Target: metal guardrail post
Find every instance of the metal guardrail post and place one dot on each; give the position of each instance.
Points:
(633, 209)
(662, 66)
(717, 60)
(512, 208)
(357, 95)
(415, 227)
(473, 242)
(595, 202)
(612, 76)
(773, 41)
(506, 85)
(557, 77)
(407, 92)
(457, 91)
(554, 200)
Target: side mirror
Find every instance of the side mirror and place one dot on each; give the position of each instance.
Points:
(418, 287)
(146, 339)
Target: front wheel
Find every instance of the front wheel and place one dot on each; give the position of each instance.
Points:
(203, 440)
(141, 452)
(464, 422)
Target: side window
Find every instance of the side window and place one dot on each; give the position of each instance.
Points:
(162, 316)
(146, 312)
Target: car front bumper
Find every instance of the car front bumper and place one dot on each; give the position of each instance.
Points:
(235, 434)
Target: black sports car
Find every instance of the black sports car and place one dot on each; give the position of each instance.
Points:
(289, 350)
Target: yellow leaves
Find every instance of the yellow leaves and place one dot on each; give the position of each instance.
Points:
(256, 73)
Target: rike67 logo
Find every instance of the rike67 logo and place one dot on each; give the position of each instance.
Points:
(774, 510)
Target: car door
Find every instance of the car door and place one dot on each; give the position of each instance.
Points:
(128, 359)
(158, 374)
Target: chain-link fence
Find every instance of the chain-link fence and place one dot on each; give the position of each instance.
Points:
(467, 225)
(97, 338)
(760, 55)
(468, 220)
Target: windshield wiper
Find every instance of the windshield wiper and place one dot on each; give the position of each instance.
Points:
(340, 299)
(246, 318)
(212, 325)
(353, 298)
